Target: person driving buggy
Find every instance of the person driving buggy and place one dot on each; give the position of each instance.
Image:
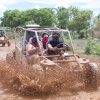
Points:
(54, 44)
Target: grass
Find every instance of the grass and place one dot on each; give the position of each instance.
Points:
(80, 45)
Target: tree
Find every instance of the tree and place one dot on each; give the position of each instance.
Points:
(44, 17)
(97, 23)
(11, 18)
(83, 20)
(62, 15)
(74, 19)
(14, 18)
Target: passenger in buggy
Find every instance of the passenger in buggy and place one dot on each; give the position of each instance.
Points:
(44, 40)
(32, 49)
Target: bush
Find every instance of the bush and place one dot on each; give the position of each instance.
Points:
(89, 46)
(97, 49)
(93, 46)
(81, 35)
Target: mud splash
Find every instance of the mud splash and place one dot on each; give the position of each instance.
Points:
(28, 80)
(62, 92)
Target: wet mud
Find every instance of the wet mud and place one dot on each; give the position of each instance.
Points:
(24, 83)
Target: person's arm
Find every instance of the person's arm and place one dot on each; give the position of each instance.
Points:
(30, 48)
(66, 46)
(51, 48)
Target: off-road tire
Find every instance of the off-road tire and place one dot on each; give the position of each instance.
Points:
(10, 59)
(90, 73)
(8, 43)
(3, 45)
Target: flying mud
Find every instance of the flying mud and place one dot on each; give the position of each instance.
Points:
(29, 81)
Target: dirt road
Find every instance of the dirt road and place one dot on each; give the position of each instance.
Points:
(6, 94)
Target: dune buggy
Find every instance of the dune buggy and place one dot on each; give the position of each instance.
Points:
(3, 39)
(69, 64)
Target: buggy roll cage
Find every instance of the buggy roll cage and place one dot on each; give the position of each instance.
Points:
(38, 29)
(50, 29)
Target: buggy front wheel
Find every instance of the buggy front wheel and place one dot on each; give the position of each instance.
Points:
(91, 76)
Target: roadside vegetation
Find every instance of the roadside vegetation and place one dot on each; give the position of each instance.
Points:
(81, 23)
(93, 46)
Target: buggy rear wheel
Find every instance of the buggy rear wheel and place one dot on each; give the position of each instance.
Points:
(3, 45)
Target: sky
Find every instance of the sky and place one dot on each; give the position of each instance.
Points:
(93, 5)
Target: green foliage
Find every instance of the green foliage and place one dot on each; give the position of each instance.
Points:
(97, 49)
(93, 46)
(83, 34)
(72, 18)
(44, 17)
(97, 22)
(29, 22)
(62, 15)
(89, 47)
(14, 18)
